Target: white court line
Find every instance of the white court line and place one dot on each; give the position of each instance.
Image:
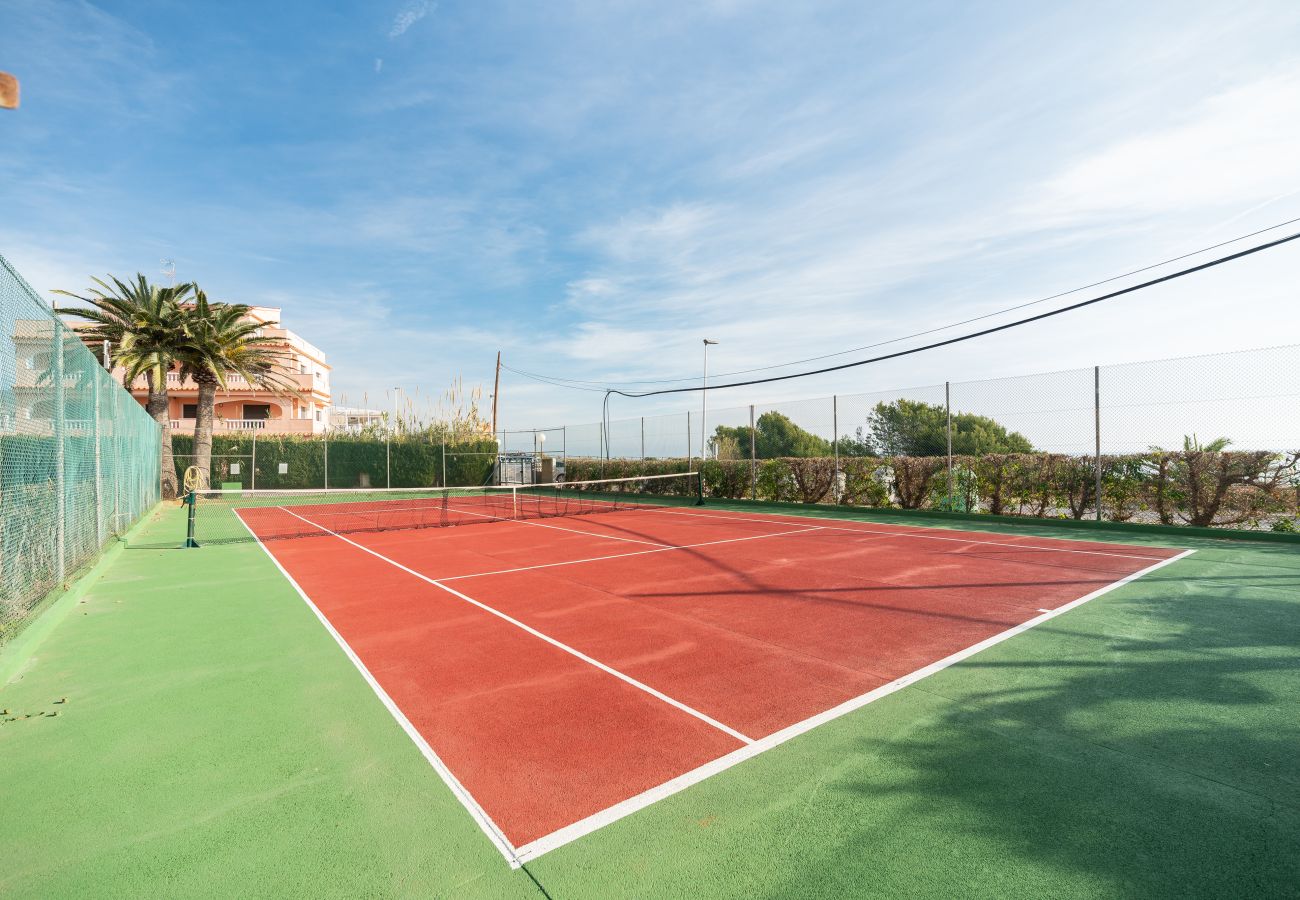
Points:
(659, 695)
(661, 549)
(458, 790)
(532, 850)
(908, 534)
(583, 827)
(559, 528)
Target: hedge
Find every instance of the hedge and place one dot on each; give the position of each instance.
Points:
(1251, 489)
(353, 461)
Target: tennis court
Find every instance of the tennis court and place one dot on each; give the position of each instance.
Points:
(564, 663)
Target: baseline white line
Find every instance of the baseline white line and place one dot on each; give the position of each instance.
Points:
(583, 827)
(466, 799)
(923, 537)
(659, 695)
(662, 549)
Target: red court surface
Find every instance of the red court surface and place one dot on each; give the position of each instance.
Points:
(563, 673)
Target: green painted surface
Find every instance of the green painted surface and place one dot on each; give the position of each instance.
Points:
(216, 742)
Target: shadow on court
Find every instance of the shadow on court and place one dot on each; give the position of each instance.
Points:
(1148, 752)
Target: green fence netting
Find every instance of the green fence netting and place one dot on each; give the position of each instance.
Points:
(78, 455)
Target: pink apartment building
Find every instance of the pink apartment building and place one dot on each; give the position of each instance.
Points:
(247, 407)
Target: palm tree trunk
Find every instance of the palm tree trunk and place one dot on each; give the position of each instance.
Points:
(157, 407)
(203, 426)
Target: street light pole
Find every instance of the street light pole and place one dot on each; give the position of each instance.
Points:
(704, 410)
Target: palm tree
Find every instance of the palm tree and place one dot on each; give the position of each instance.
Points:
(142, 321)
(220, 340)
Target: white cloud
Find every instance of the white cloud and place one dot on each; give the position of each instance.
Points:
(1237, 148)
(410, 14)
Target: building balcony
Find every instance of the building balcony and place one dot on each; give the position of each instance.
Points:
(303, 383)
(260, 426)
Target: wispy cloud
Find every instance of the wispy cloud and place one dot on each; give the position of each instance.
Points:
(592, 187)
(411, 13)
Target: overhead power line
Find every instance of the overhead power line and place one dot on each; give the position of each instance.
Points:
(966, 337)
(581, 384)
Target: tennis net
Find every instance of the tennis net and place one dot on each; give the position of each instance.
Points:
(236, 515)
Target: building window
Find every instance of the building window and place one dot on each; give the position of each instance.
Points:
(189, 410)
(318, 415)
(257, 411)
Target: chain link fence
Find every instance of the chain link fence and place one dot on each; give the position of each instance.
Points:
(1207, 440)
(78, 455)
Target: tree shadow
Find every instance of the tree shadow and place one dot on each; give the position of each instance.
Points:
(1149, 751)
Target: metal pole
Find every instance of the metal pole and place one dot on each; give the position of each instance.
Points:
(704, 401)
(252, 466)
(704, 404)
(99, 472)
(753, 458)
(688, 439)
(947, 402)
(835, 444)
(60, 480)
(325, 440)
(643, 439)
(444, 462)
(1096, 426)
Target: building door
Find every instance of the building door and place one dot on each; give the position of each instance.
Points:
(257, 411)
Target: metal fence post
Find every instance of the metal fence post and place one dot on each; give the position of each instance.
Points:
(947, 402)
(835, 444)
(99, 469)
(753, 457)
(1096, 427)
(252, 465)
(60, 477)
(388, 457)
(643, 439)
(444, 462)
(688, 439)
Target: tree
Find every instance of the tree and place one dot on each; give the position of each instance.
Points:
(219, 340)
(141, 321)
(914, 428)
(774, 436)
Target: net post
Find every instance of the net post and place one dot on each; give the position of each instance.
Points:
(947, 402)
(699, 486)
(1096, 428)
(753, 457)
(190, 501)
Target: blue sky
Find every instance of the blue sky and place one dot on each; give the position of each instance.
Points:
(592, 187)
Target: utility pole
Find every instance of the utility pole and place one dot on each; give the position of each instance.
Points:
(496, 389)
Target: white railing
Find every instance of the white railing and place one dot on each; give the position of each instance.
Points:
(243, 424)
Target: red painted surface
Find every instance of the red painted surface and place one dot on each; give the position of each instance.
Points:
(755, 629)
